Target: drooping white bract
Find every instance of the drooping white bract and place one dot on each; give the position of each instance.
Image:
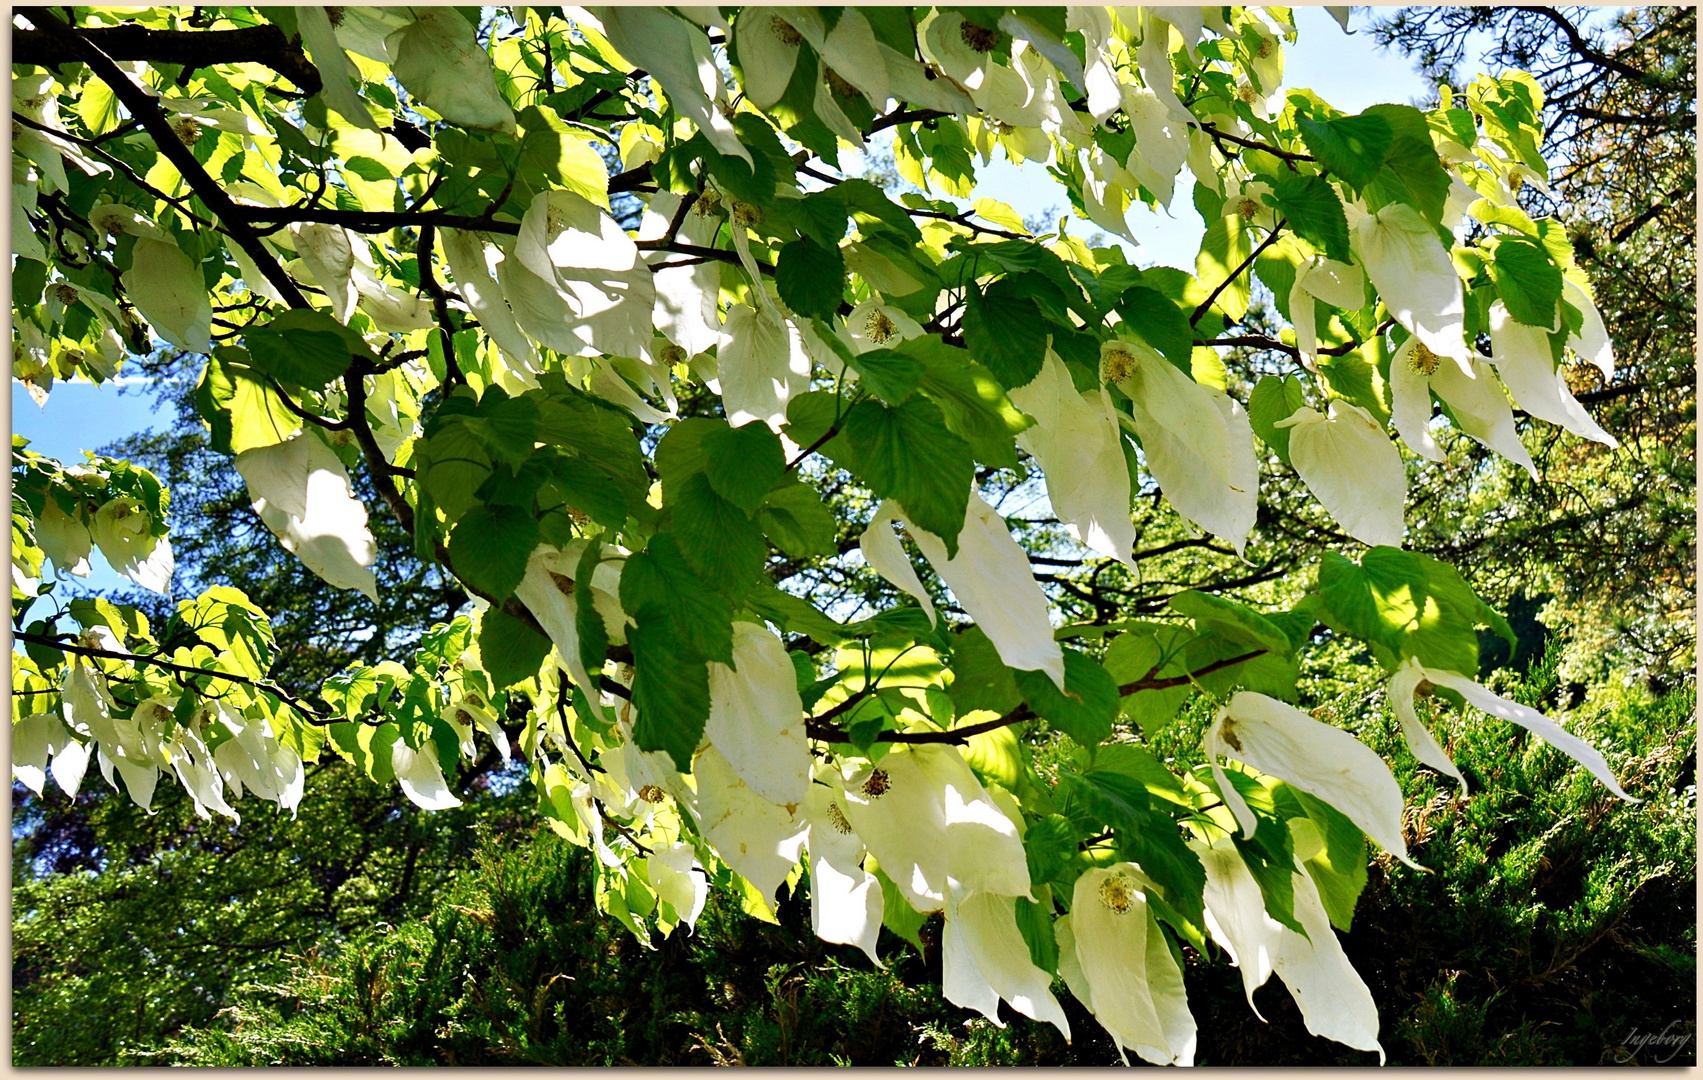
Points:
(886, 556)
(328, 254)
(197, 771)
(390, 309)
(1411, 270)
(1161, 141)
(946, 42)
(35, 738)
(913, 82)
(757, 718)
(846, 902)
(854, 54)
(677, 55)
(167, 288)
(1486, 701)
(1478, 404)
(1198, 443)
(336, 72)
(677, 878)
(438, 60)
(1526, 364)
(1100, 76)
(992, 580)
(63, 539)
(1352, 468)
(118, 741)
(928, 821)
(1334, 1001)
(1403, 683)
(1113, 957)
(570, 244)
(121, 530)
(467, 265)
(301, 491)
(1325, 761)
(877, 325)
(254, 758)
(1341, 285)
(1591, 343)
(685, 311)
(550, 592)
(757, 838)
(421, 776)
(1078, 445)
(984, 958)
(762, 364)
(364, 30)
(768, 53)
(1153, 56)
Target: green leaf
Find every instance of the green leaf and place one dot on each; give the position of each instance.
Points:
(889, 374)
(797, 522)
(795, 615)
(743, 463)
(1156, 650)
(1084, 709)
(554, 152)
(658, 577)
(1275, 398)
(1158, 322)
(1006, 333)
(720, 542)
(1407, 604)
(810, 278)
(1223, 250)
(1148, 837)
(298, 358)
(588, 624)
(1136, 762)
(897, 913)
(1339, 868)
(510, 649)
(671, 687)
(1050, 847)
(1232, 621)
(450, 464)
(975, 405)
(490, 546)
(1412, 172)
(980, 679)
(907, 453)
(1352, 148)
(1035, 923)
(240, 408)
(1315, 213)
(1527, 279)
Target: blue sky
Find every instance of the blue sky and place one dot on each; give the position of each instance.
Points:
(1347, 70)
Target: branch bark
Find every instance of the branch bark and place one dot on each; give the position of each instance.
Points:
(264, 45)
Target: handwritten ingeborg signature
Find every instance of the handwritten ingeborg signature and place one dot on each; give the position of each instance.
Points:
(1663, 1045)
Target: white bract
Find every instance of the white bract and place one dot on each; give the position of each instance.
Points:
(1411, 270)
(984, 958)
(1412, 674)
(1282, 741)
(990, 576)
(301, 491)
(1113, 957)
(1198, 443)
(1526, 363)
(1478, 404)
(846, 902)
(1078, 445)
(122, 530)
(168, 290)
(756, 718)
(438, 60)
(1334, 1001)
(1352, 468)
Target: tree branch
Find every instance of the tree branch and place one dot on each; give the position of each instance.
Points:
(1206, 305)
(154, 121)
(194, 49)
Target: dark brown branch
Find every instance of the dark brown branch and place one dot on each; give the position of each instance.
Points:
(440, 301)
(1253, 144)
(1206, 305)
(828, 733)
(62, 645)
(154, 120)
(264, 45)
